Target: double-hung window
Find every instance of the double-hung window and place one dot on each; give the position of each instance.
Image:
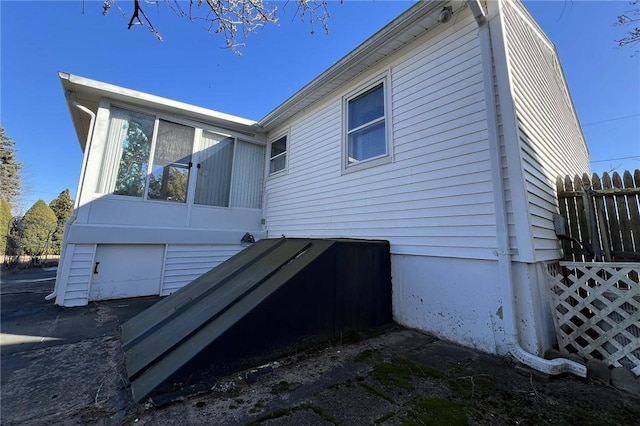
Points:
(366, 125)
(278, 155)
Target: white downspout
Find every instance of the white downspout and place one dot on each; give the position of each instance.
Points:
(76, 203)
(555, 366)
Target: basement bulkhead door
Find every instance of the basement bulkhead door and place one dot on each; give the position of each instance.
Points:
(130, 270)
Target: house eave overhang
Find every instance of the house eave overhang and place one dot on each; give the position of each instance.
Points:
(89, 93)
(411, 24)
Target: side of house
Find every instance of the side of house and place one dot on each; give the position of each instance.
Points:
(443, 133)
(540, 139)
(402, 144)
(167, 191)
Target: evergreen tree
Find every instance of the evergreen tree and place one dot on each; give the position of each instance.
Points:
(132, 172)
(170, 185)
(9, 170)
(39, 223)
(62, 207)
(14, 240)
(5, 221)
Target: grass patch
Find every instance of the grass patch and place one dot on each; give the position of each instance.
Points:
(322, 413)
(396, 375)
(258, 406)
(363, 356)
(288, 411)
(376, 392)
(435, 412)
(399, 373)
(470, 387)
(384, 418)
(456, 369)
(284, 386)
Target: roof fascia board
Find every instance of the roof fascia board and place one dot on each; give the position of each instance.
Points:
(360, 53)
(82, 85)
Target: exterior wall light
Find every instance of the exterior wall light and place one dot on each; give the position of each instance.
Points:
(445, 15)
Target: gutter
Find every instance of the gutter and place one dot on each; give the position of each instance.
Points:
(76, 204)
(558, 365)
(85, 157)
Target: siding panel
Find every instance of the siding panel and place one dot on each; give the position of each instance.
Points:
(551, 140)
(435, 197)
(77, 290)
(185, 263)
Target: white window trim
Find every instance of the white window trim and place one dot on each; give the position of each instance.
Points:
(287, 134)
(385, 79)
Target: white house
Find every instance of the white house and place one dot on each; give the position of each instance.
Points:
(443, 133)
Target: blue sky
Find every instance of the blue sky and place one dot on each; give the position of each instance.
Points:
(38, 39)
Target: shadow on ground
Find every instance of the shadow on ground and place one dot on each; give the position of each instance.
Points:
(65, 366)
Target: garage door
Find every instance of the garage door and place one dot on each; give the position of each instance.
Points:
(121, 271)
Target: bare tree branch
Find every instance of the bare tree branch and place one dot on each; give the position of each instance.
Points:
(630, 17)
(314, 11)
(136, 17)
(235, 20)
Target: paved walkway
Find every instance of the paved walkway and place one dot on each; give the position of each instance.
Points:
(65, 366)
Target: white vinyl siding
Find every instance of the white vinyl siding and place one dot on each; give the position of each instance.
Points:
(551, 141)
(185, 263)
(77, 288)
(435, 198)
(511, 217)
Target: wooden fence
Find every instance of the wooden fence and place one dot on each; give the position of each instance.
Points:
(602, 217)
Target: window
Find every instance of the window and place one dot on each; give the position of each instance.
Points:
(126, 156)
(278, 155)
(248, 175)
(150, 158)
(366, 132)
(214, 169)
(171, 162)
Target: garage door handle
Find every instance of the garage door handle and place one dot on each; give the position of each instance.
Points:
(95, 268)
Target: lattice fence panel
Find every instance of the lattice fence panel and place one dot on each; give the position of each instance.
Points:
(597, 311)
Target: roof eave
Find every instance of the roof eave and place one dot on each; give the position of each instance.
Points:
(345, 68)
(88, 92)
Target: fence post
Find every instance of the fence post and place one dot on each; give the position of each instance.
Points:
(602, 219)
(587, 197)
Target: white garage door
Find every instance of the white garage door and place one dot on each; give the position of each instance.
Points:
(121, 271)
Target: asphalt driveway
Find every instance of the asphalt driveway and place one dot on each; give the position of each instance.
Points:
(60, 363)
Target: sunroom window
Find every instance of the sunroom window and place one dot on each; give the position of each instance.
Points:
(366, 125)
(126, 156)
(154, 159)
(169, 176)
(213, 185)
